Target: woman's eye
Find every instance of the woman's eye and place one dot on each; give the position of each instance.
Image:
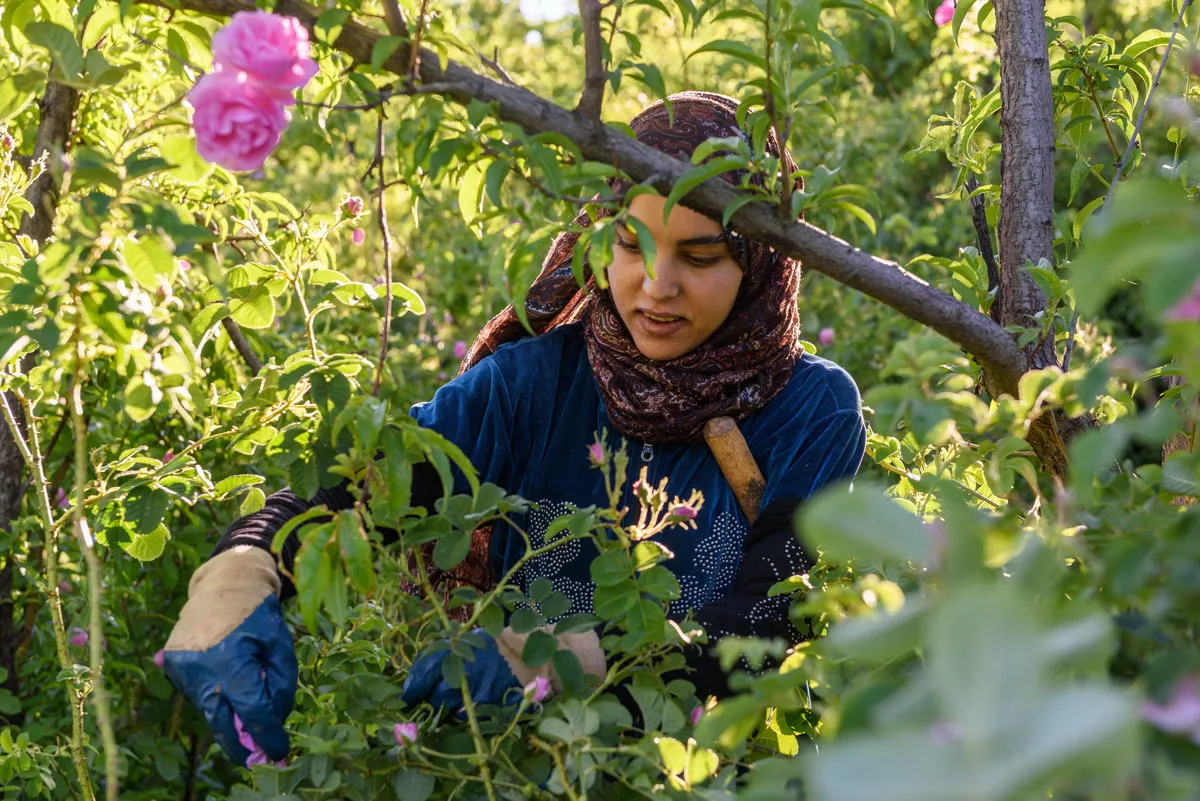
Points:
(625, 244)
(703, 261)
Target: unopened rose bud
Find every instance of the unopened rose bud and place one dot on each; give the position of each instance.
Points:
(683, 511)
(60, 498)
(353, 205)
(160, 657)
(79, 637)
(358, 236)
(405, 733)
(596, 452)
(6, 143)
(538, 689)
(460, 349)
(183, 264)
(168, 456)
(696, 713)
(65, 586)
(825, 337)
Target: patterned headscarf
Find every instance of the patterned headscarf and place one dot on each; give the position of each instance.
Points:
(736, 372)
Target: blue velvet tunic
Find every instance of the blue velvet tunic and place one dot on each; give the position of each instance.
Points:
(527, 415)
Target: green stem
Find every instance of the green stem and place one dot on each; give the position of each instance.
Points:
(95, 581)
(481, 749)
(31, 451)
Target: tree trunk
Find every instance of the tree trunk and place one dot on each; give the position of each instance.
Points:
(54, 130)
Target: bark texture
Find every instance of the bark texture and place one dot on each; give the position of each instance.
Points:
(54, 130)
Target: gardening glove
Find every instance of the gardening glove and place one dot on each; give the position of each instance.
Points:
(231, 652)
(496, 670)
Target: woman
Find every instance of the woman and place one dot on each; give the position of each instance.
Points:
(714, 332)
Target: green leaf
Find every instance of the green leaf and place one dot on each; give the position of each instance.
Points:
(739, 50)
(659, 582)
(140, 400)
(862, 524)
(60, 43)
(294, 523)
(147, 260)
(227, 486)
(540, 646)
(672, 753)
(330, 391)
(145, 508)
(311, 582)
(254, 501)
(383, 50)
(413, 785)
(698, 175)
(960, 14)
(356, 551)
(189, 167)
(611, 602)
(451, 549)
(147, 547)
(15, 97)
(611, 568)
(645, 241)
(569, 670)
(209, 316)
(470, 196)
(253, 308)
(1079, 172)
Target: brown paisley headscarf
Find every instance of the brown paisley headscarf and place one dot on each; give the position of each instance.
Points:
(735, 372)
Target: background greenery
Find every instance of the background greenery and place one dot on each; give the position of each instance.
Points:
(992, 632)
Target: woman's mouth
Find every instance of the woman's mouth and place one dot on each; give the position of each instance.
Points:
(659, 325)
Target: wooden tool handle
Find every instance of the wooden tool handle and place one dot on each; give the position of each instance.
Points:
(737, 463)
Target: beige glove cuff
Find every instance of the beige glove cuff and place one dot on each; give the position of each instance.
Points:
(222, 593)
(584, 644)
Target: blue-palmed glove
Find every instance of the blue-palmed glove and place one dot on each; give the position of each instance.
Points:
(232, 654)
(497, 673)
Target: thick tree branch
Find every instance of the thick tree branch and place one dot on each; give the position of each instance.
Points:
(592, 99)
(885, 281)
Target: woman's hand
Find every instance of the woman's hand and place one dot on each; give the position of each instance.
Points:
(232, 654)
(490, 678)
(496, 670)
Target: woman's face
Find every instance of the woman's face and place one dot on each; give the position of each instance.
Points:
(695, 283)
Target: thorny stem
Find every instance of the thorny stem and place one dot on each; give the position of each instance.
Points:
(481, 749)
(31, 452)
(95, 580)
(386, 236)
(558, 763)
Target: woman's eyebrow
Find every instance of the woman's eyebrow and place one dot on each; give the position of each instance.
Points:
(696, 241)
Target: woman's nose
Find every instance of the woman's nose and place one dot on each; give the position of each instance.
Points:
(665, 283)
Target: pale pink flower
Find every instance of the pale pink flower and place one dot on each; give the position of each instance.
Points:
(183, 264)
(538, 689)
(160, 656)
(269, 48)
(695, 716)
(79, 637)
(358, 236)
(684, 511)
(353, 205)
(1187, 309)
(238, 122)
(944, 13)
(460, 349)
(1180, 715)
(405, 733)
(825, 337)
(257, 755)
(596, 452)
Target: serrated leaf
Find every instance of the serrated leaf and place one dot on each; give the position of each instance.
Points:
(231, 484)
(147, 547)
(145, 507)
(147, 260)
(254, 501)
(253, 309)
(539, 647)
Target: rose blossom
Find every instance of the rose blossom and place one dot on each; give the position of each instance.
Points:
(696, 713)
(537, 690)
(825, 337)
(257, 755)
(238, 122)
(405, 733)
(460, 349)
(596, 452)
(271, 48)
(79, 637)
(353, 205)
(7, 143)
(944, 13)
(358, 236)
(1188, 308)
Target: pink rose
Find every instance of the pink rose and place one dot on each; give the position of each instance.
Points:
(944, 13)
(1188, 308)
(353, 205)
(270, 48)
(238, 122)
(405, 733)
(460, 349)
(257, 755)
(358, 236)
(825, 337)
(79, 637)
(6, 143)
